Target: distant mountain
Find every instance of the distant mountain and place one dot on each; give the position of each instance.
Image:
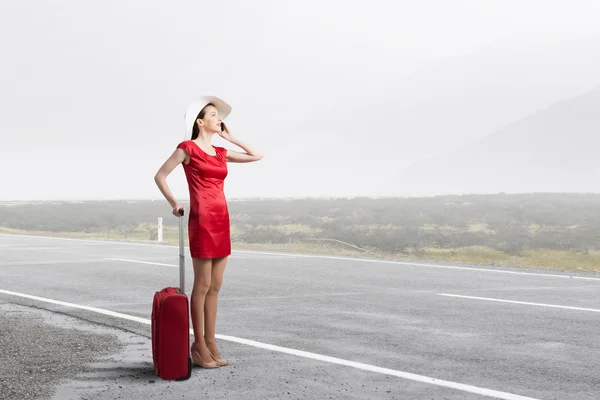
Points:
(554, 150)
(463, 98)
(359, 141)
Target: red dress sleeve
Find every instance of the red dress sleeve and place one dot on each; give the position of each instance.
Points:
(223, 152)
(185, 145)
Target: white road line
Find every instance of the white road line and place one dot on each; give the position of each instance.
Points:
(29, 263)
(21, 248)
(385, 371)
(405, 263)
(145, 304)
(366, 260)
(319, 357)
(95, 241)
(423, 265)
(81, 307)
(520, 302)
(142, 262)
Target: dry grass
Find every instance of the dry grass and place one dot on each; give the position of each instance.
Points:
(481, 228)
(562, 259)
(539, 258)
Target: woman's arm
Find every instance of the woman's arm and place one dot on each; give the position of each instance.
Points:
(251, 154)
(178, 156)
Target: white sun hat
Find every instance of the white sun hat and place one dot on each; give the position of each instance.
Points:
(192, 111)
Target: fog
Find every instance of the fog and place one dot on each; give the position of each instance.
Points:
(345, 98)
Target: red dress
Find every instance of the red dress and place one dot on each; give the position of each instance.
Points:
(208, 221)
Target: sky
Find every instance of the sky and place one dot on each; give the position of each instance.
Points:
(339, 95)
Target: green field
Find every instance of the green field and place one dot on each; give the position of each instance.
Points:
(530, 230)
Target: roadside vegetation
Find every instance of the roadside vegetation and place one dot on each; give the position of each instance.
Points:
(541, 230)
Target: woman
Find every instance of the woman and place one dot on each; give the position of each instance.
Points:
(205, 168)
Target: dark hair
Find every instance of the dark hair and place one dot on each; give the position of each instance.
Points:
(195, 130)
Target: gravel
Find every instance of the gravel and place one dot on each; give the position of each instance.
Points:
(40, 349)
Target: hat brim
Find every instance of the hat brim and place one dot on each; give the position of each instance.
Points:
(194, 109)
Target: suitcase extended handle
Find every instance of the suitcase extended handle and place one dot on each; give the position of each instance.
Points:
(181, 255)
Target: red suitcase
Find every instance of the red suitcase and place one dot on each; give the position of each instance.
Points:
(171, 327)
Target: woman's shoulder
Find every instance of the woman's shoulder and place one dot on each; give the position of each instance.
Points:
(185, 145)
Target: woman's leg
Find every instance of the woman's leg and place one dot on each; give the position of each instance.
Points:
(202, 278)
(210, 306)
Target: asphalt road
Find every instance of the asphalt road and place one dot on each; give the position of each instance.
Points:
(296, 327)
